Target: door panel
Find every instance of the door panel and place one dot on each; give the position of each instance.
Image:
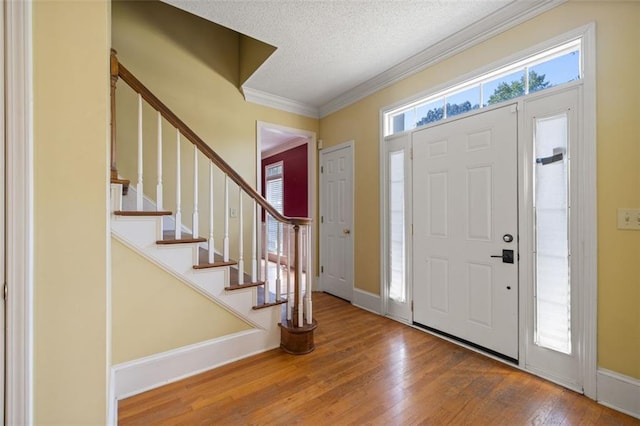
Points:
(336, 222)
(464, 201)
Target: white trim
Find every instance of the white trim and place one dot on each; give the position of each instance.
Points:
(367, 301)
(619, 392)
(278, 102)
(508, 17)
(19, 198)
(312, 149)
(137, 376)
(588, 213)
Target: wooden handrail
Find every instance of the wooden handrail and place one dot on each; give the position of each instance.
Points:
(205, 149)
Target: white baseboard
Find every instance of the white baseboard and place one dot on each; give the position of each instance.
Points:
(367, 301)
(620, 392)
(134, 377)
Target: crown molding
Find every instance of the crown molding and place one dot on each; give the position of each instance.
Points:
(279, 102)
(505, 18)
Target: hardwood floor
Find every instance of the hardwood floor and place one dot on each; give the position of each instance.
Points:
(366, 369)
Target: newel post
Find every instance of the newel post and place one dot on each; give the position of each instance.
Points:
(113, 67)
(114, 80)
(296, 334)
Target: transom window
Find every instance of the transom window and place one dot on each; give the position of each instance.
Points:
(550, 68)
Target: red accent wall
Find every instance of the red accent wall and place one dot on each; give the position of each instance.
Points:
(295, 180)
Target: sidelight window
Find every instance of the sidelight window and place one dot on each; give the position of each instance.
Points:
(552, 254)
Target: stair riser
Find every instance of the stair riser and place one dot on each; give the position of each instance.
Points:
(141, 233)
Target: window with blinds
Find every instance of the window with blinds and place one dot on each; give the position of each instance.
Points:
(274, 190)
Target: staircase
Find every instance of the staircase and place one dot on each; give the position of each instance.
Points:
(279, 307)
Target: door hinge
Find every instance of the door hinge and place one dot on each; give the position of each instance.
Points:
(5, 291)
(412, 229)
(321, 169)
(322, 269)
(321, 219)
(412, 306)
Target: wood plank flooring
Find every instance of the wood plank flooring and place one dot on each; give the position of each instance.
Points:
(366, 369)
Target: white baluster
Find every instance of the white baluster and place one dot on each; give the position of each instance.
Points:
(225, 241)
(139, 189)
(178, 184)
(299, 262)
(240, 238)
(211, 241)
(278, 247)
(195, 217)
(290, 300)
(159, 200)
(308, 277)
(265, 244)
(254, 244)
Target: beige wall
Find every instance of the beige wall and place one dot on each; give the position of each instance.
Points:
(155, 312)
(618, 135)
(193, 66)
(71, 99)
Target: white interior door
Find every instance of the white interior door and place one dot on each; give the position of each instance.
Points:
(465, 213)
(336, 220)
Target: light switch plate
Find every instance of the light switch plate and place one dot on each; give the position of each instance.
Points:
(629, 219)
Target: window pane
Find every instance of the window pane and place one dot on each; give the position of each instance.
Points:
(503, 88)
(553, 304)
(275, 196)
(464, 101)
(397, 287)
(559, 70)
(430, 112)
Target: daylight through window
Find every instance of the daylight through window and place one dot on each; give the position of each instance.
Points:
(550, 68)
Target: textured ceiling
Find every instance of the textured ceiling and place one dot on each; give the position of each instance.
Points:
(327, 47)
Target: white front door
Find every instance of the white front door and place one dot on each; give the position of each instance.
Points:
(336, 220)
(465, 219)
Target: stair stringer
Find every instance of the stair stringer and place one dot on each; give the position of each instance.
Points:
(141, 234)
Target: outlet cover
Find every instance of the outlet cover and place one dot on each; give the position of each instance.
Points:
(629, 219)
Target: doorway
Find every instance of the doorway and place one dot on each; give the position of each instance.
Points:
(465, 202)
(336, 220)
(285, 174)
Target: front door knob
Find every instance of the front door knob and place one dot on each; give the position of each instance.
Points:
(346, 231)
(507, 256)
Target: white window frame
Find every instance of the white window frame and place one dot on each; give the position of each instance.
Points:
(522, 61)
(585, 186)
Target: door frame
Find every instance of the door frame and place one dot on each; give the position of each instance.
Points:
(384, 223)
(311, 186)
(351, 145)
(585, 160)
(18, 83)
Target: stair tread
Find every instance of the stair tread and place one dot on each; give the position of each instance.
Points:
(267, 305)
(244, 285)
(141, 213)
(169, 237)
(218, 261)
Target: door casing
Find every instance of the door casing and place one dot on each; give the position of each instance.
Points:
(323, 202)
